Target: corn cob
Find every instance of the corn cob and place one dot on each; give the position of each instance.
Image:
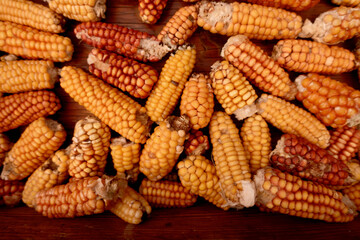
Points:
(10, 192)
(166, 93)
(235, 94)
(333, 102)
(197, 143)
(131, 207)
(115, 109)
(314, 57)
(231, 163)
(125, 41)
(31, 43)
(5, 146)
(353, 193)
(255, 134)
(197, 100)
(150, 10)
(163, 148)
(333, 26)
(86, 196)
(166, 194)
(292, 5)
(292, 119)
(52, 172)
(347, 3)
(127, 74)
(344, 143)
(23, 108)
(252, 20)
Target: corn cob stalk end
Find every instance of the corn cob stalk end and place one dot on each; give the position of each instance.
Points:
(212, 12)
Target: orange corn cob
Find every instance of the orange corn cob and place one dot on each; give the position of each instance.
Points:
(348, 3)
(197, 143)
(10, 192)
(292, 5)
(344, 143)
(150, 10)
(5, 146)
(353, 192)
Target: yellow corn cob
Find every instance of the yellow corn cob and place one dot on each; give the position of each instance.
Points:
(5, 146)
(10, 192)
(166, 93)
(150, 10)
(52, 172)
(292, 5)
(31, 14)
(254, 21)
(197, 100)
(163, 148)
(348, 3)
(30, 43)
(111, 106)
(83, 11)
(231, 163)
(344, 143)
(353, 192)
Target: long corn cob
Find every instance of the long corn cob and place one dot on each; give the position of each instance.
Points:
(353, 193)
(166, 93)
(10, 192)
(23, 108)
(5, 146)
(348, 3)
(112, 107)
(127, 74)
(254, 21)
(344, 143)
(259, 68)
(150, 10)
(292, 5)
(197, 143)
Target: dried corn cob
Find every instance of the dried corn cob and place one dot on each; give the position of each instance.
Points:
(309, 56)
(10, 192)
(292, 5)
(254, 21)
(125, 41)
(287, 194)
(290, 118)
(353, 193)
(163, 148)
(197, 100)
(166, 194)
(347, 3)
(31, 14)
(131, 207)
(127, 74)
(255, 134)
(150, 10)
(197, 143)
(333, 102)
(166, 93)
(112, 107)
(5, 146)
(344, 143)
(23, 108)
(30, 43)
(231, 163)
(235, 94)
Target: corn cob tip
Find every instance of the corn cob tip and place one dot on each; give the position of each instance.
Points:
(109, 188)
(245, 112)
(246, 197)
(8, 57)
(237, 39)
(354, 169)
(180, 124)
(100, 8)
(298, 82)
(308, 29)
(212, 12)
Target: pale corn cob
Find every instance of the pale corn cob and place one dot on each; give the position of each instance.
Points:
(150, 10)
(163, 148)
(5, 146)
(333, 102)
(197, 143)
(31, 43)
(254, 21)
(344, 143)
(230, 160)
(292, 5)
(10, 192)
(31, 14)
(353, 193)
(112, 107)
(287, 194)
(348, 3)
(127, 74)
(174, 74)
(290, 118)
(23, 108)
(197, 100)
(309, 56)
(255, 134)
(233, 91)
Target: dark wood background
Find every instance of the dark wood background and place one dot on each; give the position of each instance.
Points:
(203, 220)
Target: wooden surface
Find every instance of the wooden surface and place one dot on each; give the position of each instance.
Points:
(202, 221)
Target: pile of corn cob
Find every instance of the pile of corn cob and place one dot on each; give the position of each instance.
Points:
(170, 134)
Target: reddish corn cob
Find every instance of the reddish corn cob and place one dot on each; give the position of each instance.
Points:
(127, 74)
(353, 192)
(150, 10)
(348, 3)
(10, 192)
(344, 143)
(292, 5)
(23, 108)
(5, 146)
(125, 41)
(197, 143)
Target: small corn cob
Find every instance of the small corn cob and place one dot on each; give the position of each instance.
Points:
(86, 196)
(290, 118)
(31, 43)
(10, 192)
(197, 143)
(259, 68)
(27, 75)
(23, 108)
(353, 193)
(309, 56)
(333, 102)
(287, 194)
(125, 41)
(5, 146)
(347, 3)
(231, 163)
(150, 10)
(252, 20)
(197, 100)
(255, 134)
(54, 171)
(333, 26)
(127, 74)
(112, 107)
(292, 5)
(132, 207)
(344, 143)
(233, 91)
(166, 93)
(163, 148)
(166, 194)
